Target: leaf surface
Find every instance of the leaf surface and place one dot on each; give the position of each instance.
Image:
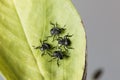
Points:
(23, 23)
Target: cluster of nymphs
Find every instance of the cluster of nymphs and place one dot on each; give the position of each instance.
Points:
(60, 51)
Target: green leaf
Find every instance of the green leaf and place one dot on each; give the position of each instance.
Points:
(22, 24)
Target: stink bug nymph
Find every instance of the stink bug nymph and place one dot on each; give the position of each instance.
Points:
(66, 42)
(59, 55)
(45, 47)
(56, 31)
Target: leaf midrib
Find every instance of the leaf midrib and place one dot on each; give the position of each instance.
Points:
(26, 38)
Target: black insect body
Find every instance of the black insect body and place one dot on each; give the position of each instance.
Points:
(56, 31)
(59, 55)
(45, 47)
(97, 74)
(66, 42)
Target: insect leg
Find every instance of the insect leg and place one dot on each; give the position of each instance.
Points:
(53, 47)
(45, 40)
(52, 24)
(57, 25)
(51, 59)
(43, 53)
(59, 38)
(41, 42)
(68, 35)
(36, 47)
(59, 46)
(64, 27)
(68, 47)
(49, 53)
(54, 38)
(48, 37)
(58, 62)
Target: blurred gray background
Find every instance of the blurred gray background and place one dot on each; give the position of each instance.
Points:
(102, 23)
